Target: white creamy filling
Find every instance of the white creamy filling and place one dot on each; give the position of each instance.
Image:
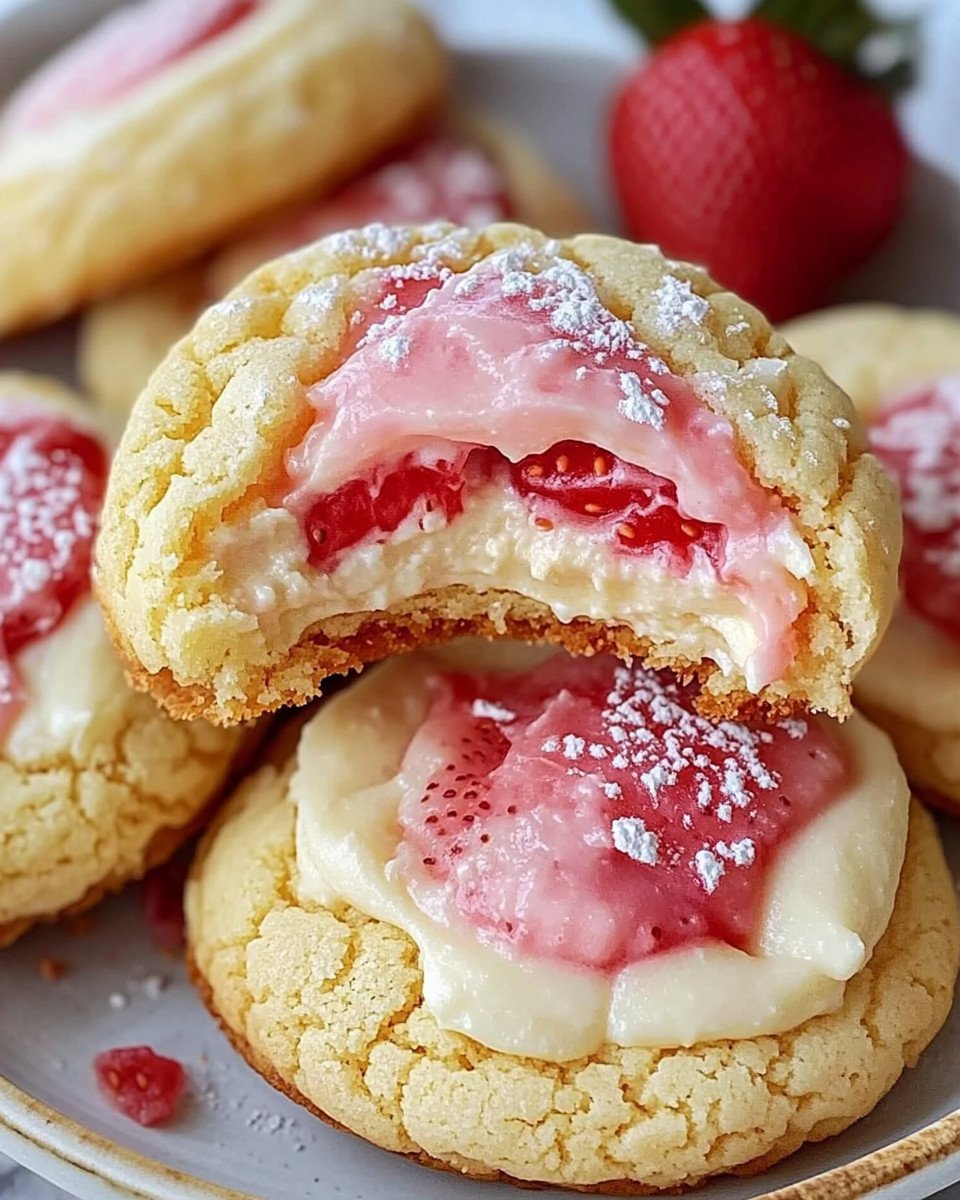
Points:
(493, 543)
(73, 689)
(829, 901)
(914, 674)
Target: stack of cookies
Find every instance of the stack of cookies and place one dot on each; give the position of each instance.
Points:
(593, 876)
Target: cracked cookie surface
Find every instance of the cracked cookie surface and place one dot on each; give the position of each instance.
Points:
(230, 399)
(327, 1006)
(113, 193)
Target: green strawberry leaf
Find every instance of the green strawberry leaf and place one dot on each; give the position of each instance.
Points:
(879, 50)
(658, 20)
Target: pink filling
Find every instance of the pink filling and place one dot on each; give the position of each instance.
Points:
(440, 178)
(52, 478)
(448, 380)
(584, 812)
(918, 440)
(117, 56)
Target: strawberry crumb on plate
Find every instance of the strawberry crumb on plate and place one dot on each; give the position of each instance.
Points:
(143, 1085)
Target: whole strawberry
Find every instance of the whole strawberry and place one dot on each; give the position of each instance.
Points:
(741, 146)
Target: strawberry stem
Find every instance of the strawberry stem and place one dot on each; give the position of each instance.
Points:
(658, 20)
(879, 50)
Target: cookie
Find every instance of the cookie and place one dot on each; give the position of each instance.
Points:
(902, 369)
(475, 173)
(439, 1014)
(676, 486)
(876, 350)
(97, 785)
(115, 156)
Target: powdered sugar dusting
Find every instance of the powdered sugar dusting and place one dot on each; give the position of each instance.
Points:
(678, 306)
(709, 870)
(51, 482)
(492, 712)
(631, 837)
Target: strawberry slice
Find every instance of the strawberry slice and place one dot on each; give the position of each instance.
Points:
(572, 482)
(585, 812)
(640, 508)
(143, 1085)
(52, 478)
(918, 440)
(116, 56)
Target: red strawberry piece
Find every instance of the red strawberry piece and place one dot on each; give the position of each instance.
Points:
(118, 55)
(340, 519)
(638, 507)
(143, 1085)
(918, 440)
(741, 146)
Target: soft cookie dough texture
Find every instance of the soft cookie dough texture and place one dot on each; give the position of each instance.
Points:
(298, 95)
(875, 351)
(122, 339)
(327, 1006)
(97, 785)
(911, 686)
(230, 399)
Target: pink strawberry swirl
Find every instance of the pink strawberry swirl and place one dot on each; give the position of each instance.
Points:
(116, 57)
(450, 381)
(584, 812)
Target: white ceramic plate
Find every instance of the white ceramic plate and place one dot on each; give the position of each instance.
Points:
(237, 1136)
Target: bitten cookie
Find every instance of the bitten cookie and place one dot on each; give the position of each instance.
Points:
(96, 784)
(397, 436)
(144, 142)
(412, 943)
(902, 369)
(476, 173)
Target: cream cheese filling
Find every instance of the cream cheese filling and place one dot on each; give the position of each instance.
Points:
(74, 690)
(830, 896)
(493, 544)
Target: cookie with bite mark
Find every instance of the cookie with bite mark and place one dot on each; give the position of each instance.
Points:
(143, 143)
(394, 437)
(97, 785)
(408, 942)
(475, 172)
(901, 367)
